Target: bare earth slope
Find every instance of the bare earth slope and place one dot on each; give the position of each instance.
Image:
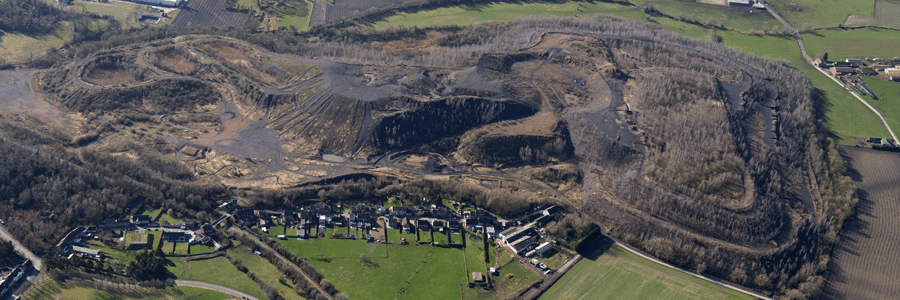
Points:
(865, 264)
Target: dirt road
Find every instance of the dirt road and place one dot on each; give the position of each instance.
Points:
(24, 252)
(213, 287)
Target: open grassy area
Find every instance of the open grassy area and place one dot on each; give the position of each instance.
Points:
(332, 248)
(820, 13)
(406, 272)
(17, 47)
(619, 275)
(468, 15)
(736, 17)
(51, 289)
(198, 248)
(888, 102)
(249, 4)
(220, 271)
(122, 11)
(264, 270)
(852, 43)
(685, 29)
(181, 248)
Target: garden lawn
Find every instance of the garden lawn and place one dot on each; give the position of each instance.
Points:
(442, 238)
(199, 248)
(475, 259)
(841, 44)
(218, 270)
(425, 237)
(522, 277)
(424, 272)
(618, 274)
(264, 270)
(181, 248)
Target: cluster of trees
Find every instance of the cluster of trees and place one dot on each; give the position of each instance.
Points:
(8, 255)
(149, 265)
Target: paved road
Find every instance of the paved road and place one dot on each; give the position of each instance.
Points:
(24, 252)
(217, 288)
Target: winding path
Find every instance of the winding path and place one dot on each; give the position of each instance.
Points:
(213, 287)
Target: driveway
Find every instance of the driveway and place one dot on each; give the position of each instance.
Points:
(217, 288)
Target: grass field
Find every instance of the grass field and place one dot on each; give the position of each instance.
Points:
(51, 289)
(852, 43)
(468, 15)
(122, 11)
(888, 102)
(198, 248)
(618, 274)
(163, 217)
(249, 4)
(17, 47)
(406, 272)
(820, 13)
(264, 270)
(735, 17)
(220, 271)
(332, 248)
(181, 248)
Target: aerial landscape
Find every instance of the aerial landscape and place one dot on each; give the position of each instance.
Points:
(433, 149)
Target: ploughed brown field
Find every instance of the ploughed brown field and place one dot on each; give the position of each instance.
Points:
(865, 264)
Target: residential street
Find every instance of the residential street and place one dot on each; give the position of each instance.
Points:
(24, 252)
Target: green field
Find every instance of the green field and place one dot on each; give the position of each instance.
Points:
(332, 248)
(468, 15)
(220, 271)
(264, 270)
(198, 248)
(394, 271)
(888, 102)
(122, 11)
(51, 289)
(249, 4)
(406, 272)
(852, 43)
(734, 17)
(17, 47)
(821, 13)
(618, 274)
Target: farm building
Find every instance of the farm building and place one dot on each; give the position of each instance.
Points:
(477, 277)
(886, 142)
(87, 252)
(543, 248)
(844, 70)
(522, 245)
(893, 73)
(739, 2)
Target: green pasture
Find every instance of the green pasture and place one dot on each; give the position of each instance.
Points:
(331, 248)
(220, 271)
(264, 270)
(405, 272)
(618, 274)
(821, 13)
(51, 289)
(468, 15)
(685, 29)
(522, 276)
(740, 18)
(888, 102)
(17, 47)
(852, 43)
(122, 11)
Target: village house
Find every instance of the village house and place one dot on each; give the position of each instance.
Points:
(175, 237)
(399, 211)
(407, 226)
(423, 224)
(140, 220)
(86, 252)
